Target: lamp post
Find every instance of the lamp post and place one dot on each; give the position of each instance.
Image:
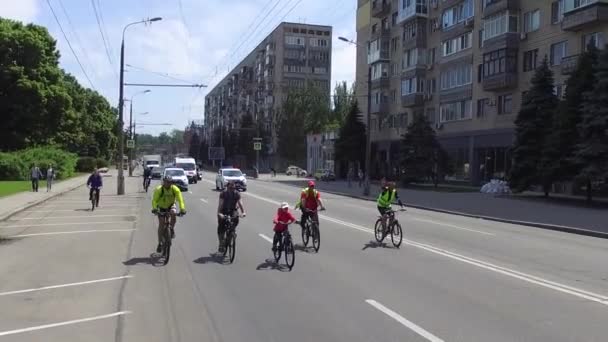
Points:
(121, 138)
(132, 129)
(368, 139)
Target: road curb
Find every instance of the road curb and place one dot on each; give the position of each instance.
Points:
(547, 226)
(35, 203)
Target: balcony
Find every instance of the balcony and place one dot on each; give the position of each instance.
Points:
(412, 100)
(583, 17)
(381, 82)
(381, 33)
(499, 82)
(381, 8)
(569, 64)
(417, 37)
(417, 8)
(378, 56)
(492, 7)
(509, 40)
(381, 107)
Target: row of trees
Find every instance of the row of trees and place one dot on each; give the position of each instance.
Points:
(564, 140)
(42, 104)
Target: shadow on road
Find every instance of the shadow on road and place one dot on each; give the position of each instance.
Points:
(375, 244)
(88, 209)
(270, 264)
(214, 258)
(309, 249)
(151, 260)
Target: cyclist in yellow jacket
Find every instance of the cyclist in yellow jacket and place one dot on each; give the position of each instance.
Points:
(386, 199)
(163, 200)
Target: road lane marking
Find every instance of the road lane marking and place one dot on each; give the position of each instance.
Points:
(598, 298)
(452, 226)
(204, 200)
(54, 325)
(64, 285)
(72, 232)
(62, 224)
(397, 317)
(190, 192)
(265, 237)
(32, 211)
(66, 217)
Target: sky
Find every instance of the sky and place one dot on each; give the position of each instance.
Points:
(198, 41)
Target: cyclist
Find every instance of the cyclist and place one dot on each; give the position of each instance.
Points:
(164, 199)
(281, 221)
(95, 183)
(147, 175)
(385, 199)
(230, 202)
(310, 200)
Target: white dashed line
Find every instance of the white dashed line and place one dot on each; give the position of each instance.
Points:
(204, 200)
(397, 317)
(73, 232)
(63, 224)
(64, 285)
(265, 237)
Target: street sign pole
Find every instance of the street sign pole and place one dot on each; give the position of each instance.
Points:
(257, 146)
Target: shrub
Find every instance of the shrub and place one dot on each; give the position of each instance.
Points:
(101, 162)
(16, 165)
(86, 164)
(12, 167)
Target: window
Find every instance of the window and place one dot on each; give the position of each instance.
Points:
(289, 54)
(457, 14)
(412, 86)
(456, 77)
(571, 5)
(394, 95)
(596, 39)
(531, 21)
(379, 70)
(292, 40)
(434, 23)
(430, 114)
(557, 11)
(505, 104)
(394, 18)
(385, 24)
(295, 83)
(412, 7)
(558, 90)
(482, 108)
(394, 69)
(499, 24)
(558, 51)
(457, 44)
(412, 57)
(318, 42)
(499, 61)
(293, 68)
(409, 31)
(530, 60)
(455, 111)
(394, 44)
(318, 70)
(431, 56)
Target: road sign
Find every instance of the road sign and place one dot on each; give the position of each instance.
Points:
(257, 146)
(216, 153)
(130, 143)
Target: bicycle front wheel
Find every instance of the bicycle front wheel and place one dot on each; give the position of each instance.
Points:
(232, 247)
(290, 254)
(378, 233)
(316, 237)
(166, 244)
(396, 234)
(305, 234)
(277, 252)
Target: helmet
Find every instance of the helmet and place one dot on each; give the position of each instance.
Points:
(311, 184)
(168, 179)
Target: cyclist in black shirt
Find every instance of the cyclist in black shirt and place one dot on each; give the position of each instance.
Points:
(230, 199)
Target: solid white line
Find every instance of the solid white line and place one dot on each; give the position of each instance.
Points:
(66, 217)
(413, 326)
(72, 232)
(453, 226)
(63, 224)
(204, 200)
(598, 298)
(46, 326)
(190, 192)
(265, 237)
(105, 208)
(64, 285)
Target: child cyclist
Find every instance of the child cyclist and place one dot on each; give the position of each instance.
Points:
(281, 221)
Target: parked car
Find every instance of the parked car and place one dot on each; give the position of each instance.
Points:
(325, 175)
(180, 179)
(294, 170)
(230, 174)
(157, 172)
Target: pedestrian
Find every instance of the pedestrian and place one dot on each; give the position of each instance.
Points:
(50, 175)
(360, 175)
(273, 171)
(349, 176)
(35, 175)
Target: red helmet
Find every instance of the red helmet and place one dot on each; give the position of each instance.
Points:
(311, 184)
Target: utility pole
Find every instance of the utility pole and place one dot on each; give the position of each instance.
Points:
(368, 136)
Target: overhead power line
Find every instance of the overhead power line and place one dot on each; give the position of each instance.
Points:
(103, 26)
(103, 37)
(157, 73)
(70, 45)
(75, 34)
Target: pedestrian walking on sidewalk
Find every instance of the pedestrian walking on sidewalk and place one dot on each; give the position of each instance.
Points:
(360, 176)
(50, 175)
(35, 175)
(349, 176)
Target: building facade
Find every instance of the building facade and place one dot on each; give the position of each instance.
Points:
(465, 64)
(320, 153)
(291, 56)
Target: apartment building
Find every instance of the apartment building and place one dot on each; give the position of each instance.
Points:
(465, 65)
(289, 57)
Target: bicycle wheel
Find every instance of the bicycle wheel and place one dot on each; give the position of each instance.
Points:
(226, 243)
(306, 233)
(93, 203)
(290, 254)
(166, 244)
(316, 236)
(232, 247)
(378, 231)
(396, 234)
(278, 251)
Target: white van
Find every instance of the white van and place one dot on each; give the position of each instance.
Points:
(189, 166)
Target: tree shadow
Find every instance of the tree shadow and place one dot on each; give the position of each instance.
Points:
(152, 260)
(213, 258)
(374, 244)
(270, 264)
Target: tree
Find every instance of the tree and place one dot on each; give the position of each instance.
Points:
(350, 145)
(344, 100)
(592, 151)
(565, 134)
(421, 155)
(533, 161)
(194, 148)
(291, 132)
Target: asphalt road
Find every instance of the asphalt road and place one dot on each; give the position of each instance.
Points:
(453, 279)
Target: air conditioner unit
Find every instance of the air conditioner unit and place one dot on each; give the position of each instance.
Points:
(523, 36)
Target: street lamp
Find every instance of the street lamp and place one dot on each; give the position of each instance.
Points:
(368, 139)
(121, 141)
(131, 129)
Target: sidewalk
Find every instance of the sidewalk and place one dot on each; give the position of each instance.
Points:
(11, 205)
(526, 210)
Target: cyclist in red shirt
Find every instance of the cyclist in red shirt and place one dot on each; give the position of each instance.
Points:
(310, 200)
(281, 222)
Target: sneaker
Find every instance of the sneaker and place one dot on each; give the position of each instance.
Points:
(158, 248)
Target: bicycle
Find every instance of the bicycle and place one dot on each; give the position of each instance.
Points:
(166, 234)
(94, 198)
(230, 238)
(285, 244)
(311, 229)
(393, 227)
(147, 183)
